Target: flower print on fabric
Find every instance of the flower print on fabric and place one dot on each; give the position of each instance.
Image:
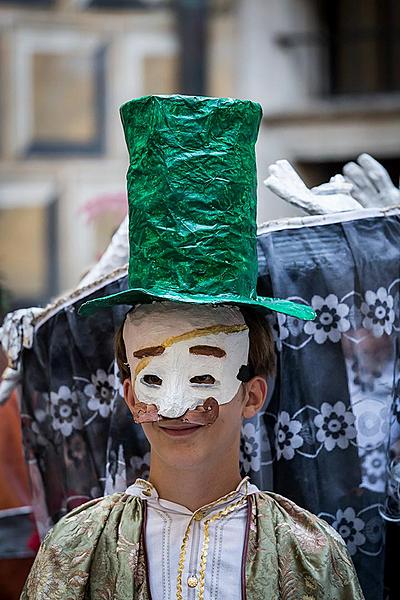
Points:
(284, 327)
(280, 332)
(373, 463)
(374, 530)
(335, 425)
(283, 331)
(350, 527)
(371, 421)
(64, 409)
(250, 451)
(101, 392)
(288, 325)
(378, 312)
(287, 437)
(330, 321)
(294, 325)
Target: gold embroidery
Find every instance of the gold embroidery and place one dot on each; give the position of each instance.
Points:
(342, 566)
(54, 572)
(140, 576)
(204, 550)
(310, 540)
(181, 563)
(130, 548)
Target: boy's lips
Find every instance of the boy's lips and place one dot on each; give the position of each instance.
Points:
(177, 428)
(176, 424)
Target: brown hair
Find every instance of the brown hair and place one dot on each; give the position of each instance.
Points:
(261, 350)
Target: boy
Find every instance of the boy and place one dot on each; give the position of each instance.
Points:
(194, 357)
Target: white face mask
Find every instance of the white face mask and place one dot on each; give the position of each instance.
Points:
(180, 355)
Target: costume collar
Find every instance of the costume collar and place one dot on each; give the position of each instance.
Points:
(146, 491)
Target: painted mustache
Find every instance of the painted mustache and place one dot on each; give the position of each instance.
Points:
(205, 414)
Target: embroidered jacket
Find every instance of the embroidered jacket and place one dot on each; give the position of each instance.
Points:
(97, 552)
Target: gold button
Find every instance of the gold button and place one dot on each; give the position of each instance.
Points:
(198, 516)
(192, 581)
(146, 493)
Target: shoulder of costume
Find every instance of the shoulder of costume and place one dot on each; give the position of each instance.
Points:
(309, 551)
(95, 547)
(92, 517)
(296, 517)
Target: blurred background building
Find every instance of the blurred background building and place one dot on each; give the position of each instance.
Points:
(326, 74)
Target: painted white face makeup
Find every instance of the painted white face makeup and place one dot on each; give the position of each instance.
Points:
(180, 355)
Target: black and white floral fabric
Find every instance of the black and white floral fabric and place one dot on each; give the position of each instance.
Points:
(250, 454)
(331, 320)
(332, 424)
(378, 313)
(328, 435)
(64, 410)
(101, 392)
(287, 438)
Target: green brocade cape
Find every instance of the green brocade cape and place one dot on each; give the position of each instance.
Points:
(96, 552)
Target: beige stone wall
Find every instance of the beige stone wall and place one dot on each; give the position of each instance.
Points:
(66, 69)
(64, 72)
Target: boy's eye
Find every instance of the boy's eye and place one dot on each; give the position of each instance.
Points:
(151, 380)
(203, 379)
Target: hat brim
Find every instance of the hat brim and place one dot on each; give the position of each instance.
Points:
(141, 296)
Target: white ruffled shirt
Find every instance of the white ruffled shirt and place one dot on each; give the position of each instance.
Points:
(190, 552)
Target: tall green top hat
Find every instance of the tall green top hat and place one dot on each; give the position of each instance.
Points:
(192, 204)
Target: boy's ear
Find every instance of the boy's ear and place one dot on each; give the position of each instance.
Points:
(255, 392)
(128, 394)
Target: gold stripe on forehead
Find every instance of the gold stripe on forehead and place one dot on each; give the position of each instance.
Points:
(189, 335)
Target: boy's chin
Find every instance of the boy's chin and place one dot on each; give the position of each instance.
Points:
(189, 450)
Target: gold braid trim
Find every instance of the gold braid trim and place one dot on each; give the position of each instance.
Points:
(204, 549)
(203, 559)
(181, 564)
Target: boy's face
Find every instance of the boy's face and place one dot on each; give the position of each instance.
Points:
(180, 356)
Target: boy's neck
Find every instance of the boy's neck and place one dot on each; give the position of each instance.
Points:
(196, 487)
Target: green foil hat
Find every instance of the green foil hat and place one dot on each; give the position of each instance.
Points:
(192, 204)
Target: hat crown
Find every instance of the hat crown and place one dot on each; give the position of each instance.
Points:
(192, 194)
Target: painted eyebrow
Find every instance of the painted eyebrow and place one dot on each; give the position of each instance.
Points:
(151, 351)
(207, 351)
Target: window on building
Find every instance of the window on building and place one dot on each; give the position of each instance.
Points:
(354, 49)
(28, 251)
(363, 45)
